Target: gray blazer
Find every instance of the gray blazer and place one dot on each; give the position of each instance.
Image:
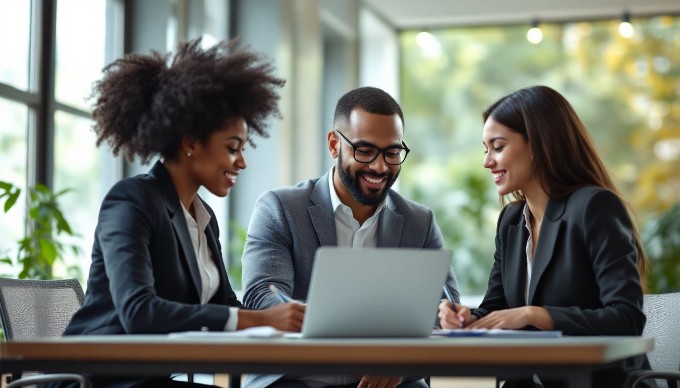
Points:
(290, 223)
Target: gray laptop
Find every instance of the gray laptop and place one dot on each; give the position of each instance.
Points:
(375, 292)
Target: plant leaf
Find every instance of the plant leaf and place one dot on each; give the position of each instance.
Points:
(48, 251)
(11, 200)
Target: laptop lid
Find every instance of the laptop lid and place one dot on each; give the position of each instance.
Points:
(375, 292)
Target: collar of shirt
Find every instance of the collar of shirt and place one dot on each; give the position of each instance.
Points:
(202, 215)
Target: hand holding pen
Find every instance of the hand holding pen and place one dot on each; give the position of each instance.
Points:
(282, 296)
(451, 315)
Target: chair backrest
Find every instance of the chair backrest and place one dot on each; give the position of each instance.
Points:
(38, 308)
(663, 323)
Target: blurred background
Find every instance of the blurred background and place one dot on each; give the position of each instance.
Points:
(445, 61)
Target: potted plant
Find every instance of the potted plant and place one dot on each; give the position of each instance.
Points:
(40, 248)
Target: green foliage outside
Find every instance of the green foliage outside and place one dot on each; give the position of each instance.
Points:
(40, 249)
(237, 243)
(627, 92)
(662, 243)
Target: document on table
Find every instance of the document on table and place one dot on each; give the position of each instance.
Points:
(497, 333)
(251, 332)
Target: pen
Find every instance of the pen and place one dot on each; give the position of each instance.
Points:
(279, 294)
(449, 296)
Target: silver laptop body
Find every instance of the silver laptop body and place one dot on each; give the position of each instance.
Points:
(375, 292)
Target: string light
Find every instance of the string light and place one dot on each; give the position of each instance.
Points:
(625, 28)
(535, 35)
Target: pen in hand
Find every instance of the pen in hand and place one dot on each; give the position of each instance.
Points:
(449, 296)
(279, 294)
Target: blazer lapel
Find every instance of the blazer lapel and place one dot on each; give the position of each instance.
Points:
(176, 215)
(515, 263)
(322, 218)
(390, 226)
(550, 230)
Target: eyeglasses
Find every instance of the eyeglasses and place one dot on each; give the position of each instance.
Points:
(367, 153)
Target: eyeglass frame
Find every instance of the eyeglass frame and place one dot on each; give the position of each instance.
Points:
(378, 149)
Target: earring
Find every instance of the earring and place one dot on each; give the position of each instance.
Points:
(189, 154)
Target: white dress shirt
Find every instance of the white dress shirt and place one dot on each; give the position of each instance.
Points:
(210, 276)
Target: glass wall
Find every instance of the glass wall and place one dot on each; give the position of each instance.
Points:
(46, 134)
(15, 23)
(85, 170)
(13, 165)
(626, 90)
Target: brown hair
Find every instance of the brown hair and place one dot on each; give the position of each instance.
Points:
(564, 154)
(146, 104)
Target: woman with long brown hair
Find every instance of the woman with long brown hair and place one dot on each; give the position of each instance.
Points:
(568, 257)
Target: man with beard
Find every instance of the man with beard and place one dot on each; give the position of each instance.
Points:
(352, 205)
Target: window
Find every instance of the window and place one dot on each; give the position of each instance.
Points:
(13, 162)
(15, 29)
(46, 136)
(626, 91)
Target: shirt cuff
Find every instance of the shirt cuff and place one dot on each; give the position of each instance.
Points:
(232, 322)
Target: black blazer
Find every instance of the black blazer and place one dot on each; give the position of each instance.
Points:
(144, 276)
(584, 270)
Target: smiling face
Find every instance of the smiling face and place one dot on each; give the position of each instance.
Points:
(366, 183)
(217, 161)
(508, 157)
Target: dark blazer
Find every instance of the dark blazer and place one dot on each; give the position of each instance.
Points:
(584, 270)
(144, 276)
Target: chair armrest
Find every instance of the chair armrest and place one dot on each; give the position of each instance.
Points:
(32, 380)
(637, 376)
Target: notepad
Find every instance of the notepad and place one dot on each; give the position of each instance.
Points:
(251, 332)
(497, 333)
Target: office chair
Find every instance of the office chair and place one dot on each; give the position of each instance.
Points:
(663, 323)
(39, 308)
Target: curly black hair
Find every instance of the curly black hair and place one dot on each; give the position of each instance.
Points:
(146, 104)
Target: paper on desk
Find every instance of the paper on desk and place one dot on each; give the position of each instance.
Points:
(251, 332)
(497, 333)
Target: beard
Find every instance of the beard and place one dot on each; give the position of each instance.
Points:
(352, 183)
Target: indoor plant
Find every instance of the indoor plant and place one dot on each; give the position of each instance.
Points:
(40, 248)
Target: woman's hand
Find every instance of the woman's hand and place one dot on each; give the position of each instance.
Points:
(450, 319)
(285, 317)
(516, 318)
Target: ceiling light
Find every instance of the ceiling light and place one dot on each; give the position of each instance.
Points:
(625, 28)
(535, 35)
(429, 44)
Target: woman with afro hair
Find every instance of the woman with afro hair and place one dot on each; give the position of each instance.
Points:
(156, 261)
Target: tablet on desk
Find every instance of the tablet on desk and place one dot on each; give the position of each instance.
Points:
(374, 292)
